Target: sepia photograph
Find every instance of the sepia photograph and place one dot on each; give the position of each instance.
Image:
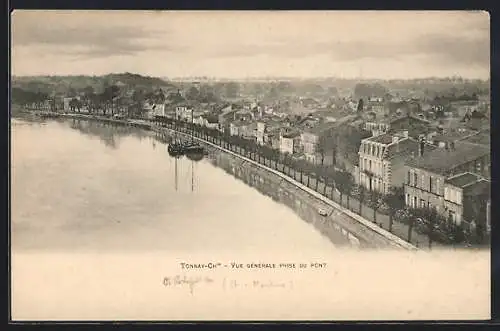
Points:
(249, 165)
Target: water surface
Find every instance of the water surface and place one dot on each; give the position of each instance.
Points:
(78, 185)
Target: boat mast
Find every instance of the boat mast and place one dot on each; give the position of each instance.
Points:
(175, 173)
(192, 125)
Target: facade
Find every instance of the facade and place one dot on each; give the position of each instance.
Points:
(427, 174)
(225, 119)
(66, 102)
(243, 129)
(159, 109)
(377, 128)
(261, 130)
(382, 160)
(466, 200)
(289, 142)
(183, 113)
(313, 141)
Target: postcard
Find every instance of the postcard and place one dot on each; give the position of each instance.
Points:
(250, 166)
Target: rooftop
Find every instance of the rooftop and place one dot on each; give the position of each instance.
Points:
(440, 160)
(404, 148)
(320, 127)
(241, 123)
(479, 188)
(291, 134)
(385, 139)
(482, 138)
(462, 180)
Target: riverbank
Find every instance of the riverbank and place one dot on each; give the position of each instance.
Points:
(351, 224)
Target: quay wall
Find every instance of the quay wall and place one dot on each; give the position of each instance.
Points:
(340, 225)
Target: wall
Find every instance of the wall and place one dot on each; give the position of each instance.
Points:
(422, 191)
(286, 145)
(398, 171)
(456, 209)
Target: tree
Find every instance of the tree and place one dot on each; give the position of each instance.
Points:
(344, 182)
(192, 93)
(375, 202)
(395, 201)
(232, 90)
(362, 192)
(73, 104)
(360, 106)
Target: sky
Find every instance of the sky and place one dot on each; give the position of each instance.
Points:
(346, 44)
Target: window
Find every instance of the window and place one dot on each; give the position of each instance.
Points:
(478, 166)
(422, 203)
(423, 182)
(370, 165)
(414, 202)
(408, 180)
(408, 199)
(415, 179)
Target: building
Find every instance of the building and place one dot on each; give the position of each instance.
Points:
(289, 142)
(249, 131)
(158, 109)
(184, 113)
(315, 142)
(382, 160)
(245, 129)
(461, 108)
(377, 128)
(466, 198)
(413, 124)
(66, 104)
(260, 134)
(225, 119)
(426, 174)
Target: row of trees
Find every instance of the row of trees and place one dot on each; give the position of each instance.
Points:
(27, 98)
(322, 177)
(317, 177)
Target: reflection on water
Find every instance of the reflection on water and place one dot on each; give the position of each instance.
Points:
(86, 185)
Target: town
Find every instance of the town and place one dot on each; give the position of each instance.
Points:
(411, 156)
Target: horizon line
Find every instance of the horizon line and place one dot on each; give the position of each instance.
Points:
(255, 77)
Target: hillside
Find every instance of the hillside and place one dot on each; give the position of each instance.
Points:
(64, 84)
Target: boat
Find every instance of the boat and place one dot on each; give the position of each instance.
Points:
(175, 150)
(175, 147)
(192, 149)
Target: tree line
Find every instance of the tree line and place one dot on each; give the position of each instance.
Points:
(323, 177)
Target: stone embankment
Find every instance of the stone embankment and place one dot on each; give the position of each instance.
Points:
(335, 221)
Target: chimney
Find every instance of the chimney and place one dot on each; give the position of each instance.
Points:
(421, 145)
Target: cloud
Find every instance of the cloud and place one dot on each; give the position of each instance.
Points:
(88, 41)
(456, 50)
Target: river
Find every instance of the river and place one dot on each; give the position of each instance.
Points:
(98, 222)
(87, 186)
